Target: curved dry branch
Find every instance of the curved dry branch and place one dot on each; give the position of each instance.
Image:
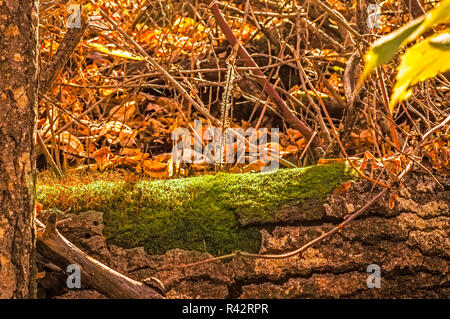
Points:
(95, 274)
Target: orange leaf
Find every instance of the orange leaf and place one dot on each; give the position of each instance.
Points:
(330, 160)
(69, 143)
(38, 207)
(124, 112)
(153, 165)
(392, 199)
(103, 157)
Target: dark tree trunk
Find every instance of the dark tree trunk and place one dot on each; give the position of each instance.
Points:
(18, 105)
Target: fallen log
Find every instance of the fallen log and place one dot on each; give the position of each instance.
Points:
(147, 222)
(213, 213)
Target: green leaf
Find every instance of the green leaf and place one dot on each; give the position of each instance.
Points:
(420, 62)
(438, 15)
(386, 47)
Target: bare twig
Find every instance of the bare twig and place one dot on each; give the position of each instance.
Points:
(97, 275)
(268, 87)
(294, 252)
(62, 55)
(339, 19)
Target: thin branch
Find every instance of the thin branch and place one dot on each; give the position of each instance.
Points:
(339, 19)
(294, 252)
(263, 81)
(62, 55)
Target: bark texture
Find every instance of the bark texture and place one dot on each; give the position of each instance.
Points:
(18, 106)
(410, 243)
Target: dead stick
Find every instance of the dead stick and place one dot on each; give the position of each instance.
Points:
(52, 70)
(297, 251)
(95, 274)
(339, 19)
(62, 55)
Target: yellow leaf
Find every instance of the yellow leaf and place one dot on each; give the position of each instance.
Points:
(438, 15)
(424, 60)
(386, 47)
(115, 52)
(185, 24)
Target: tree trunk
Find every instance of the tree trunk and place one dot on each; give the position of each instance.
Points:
(18, 106)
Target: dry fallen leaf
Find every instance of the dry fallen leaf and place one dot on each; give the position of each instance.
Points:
(125, 112)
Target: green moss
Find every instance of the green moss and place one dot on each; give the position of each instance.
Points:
(200, 213)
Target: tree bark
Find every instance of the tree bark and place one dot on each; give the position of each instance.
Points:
(18, 108)
(407, 246)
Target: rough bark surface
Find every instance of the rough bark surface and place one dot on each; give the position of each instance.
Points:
(18, 105)
(409, 242)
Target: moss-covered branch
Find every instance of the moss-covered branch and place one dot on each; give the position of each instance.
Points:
(214, 213)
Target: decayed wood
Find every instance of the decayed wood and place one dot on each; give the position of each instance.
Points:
(409, 242)
(95, 274)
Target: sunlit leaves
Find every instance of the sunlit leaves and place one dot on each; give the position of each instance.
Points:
(186, 25)
(422, 61)
(385, 49)
(184, 35)
(438, 15)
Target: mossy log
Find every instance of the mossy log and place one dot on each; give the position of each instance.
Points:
(212, 213)
(267, 213)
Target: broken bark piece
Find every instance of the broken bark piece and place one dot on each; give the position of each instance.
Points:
(409, 242)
